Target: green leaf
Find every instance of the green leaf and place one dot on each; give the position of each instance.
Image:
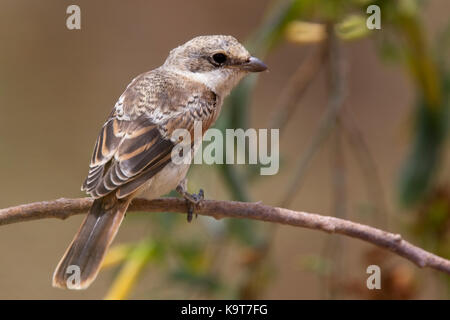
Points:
(423, 161)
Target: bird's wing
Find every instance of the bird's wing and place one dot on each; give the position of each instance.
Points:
(135, 142)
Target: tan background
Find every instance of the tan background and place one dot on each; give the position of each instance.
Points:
(57, 87)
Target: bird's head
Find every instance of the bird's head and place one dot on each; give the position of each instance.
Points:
(217, 61)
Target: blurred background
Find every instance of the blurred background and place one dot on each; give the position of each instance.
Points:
(363, 117)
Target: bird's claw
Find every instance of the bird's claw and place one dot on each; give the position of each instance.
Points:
(192, 200)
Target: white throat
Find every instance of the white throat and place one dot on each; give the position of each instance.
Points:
(221, 81)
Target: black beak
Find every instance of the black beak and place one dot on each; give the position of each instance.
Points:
(254, 65)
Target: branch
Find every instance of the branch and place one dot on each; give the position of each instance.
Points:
(64, 208)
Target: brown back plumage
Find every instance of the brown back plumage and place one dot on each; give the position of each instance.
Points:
(135, 140)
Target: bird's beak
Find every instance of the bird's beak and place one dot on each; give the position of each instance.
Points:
(254, 65)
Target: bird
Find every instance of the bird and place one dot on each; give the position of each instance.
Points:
(132, 154)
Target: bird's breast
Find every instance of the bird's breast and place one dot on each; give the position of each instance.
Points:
(164, 181)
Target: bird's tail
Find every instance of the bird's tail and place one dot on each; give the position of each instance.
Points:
(82, 260)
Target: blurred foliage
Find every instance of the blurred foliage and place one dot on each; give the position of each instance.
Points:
(432, 225)
(398, 278)
(135, 261)
(424, 159)
(193, 264)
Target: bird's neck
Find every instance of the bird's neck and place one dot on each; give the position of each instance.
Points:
(220, 81)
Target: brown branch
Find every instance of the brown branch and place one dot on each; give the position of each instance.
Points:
(64, 208)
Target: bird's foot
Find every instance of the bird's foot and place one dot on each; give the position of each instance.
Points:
(192, 200)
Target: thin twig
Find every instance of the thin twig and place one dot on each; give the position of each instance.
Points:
(333, 247)
(369, 168)
(328, 120)
(64, 208)
(336, 87)
(296, 87)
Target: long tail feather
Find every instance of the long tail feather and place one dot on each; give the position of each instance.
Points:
(82, 260)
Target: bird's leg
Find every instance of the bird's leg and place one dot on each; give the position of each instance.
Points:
(191, 199)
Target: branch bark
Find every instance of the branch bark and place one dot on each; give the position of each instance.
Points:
(64, 208)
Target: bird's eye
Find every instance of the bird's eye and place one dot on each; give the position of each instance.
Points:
(219, 58)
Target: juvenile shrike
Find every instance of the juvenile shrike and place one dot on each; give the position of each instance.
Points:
(132, 155)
